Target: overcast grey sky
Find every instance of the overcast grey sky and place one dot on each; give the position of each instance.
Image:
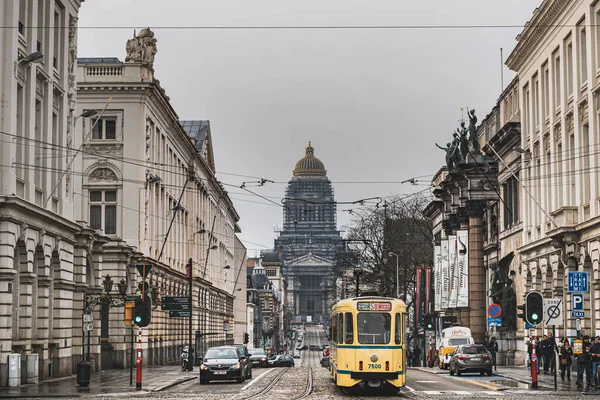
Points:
(372, 101)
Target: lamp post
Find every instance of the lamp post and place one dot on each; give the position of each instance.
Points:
(34, 57)
(105, 301)
(357, 274)
(397, 275)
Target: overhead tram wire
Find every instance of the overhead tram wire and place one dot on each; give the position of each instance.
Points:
(318, 27)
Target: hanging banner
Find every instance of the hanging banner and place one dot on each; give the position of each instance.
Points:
(453, 268)
(463, 268)
(437, 281)
(427, 288)
(444, 274)
(418, 316)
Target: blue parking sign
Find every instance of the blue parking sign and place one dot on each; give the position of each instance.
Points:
(578, 282)
(577, 301)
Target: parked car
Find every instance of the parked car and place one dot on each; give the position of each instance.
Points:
(258, 357)
(303, 347)
(314, 347)
(296, 353)
(282, 361)
(471, 358)
(222, 363)
(247, 361)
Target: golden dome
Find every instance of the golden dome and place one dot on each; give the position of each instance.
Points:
(309, 164)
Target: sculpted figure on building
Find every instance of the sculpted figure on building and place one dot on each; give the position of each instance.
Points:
(142, 48)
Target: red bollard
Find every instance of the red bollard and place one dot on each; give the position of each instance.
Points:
(138, 375)
(534, 382)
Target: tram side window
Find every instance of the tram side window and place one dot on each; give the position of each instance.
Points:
(334, 330)
(374, 328)
(341, 328)
(349, 329)
(398, 334)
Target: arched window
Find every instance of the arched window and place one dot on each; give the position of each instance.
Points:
(103, 194)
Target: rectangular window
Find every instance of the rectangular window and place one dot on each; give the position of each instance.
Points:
(556, 79)
(103, 210)
(536, 102)
(569, 66)
(582, 53)
(340, 328)
(545, 91)
(349, 329)
(334, 329)
(510, 196)
(373, 328)
(104, 128)
(398, 333)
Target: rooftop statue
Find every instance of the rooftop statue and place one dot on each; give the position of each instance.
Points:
(142, 48)
(473, 131)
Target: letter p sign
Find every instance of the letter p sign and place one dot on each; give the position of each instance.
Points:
(577, 301)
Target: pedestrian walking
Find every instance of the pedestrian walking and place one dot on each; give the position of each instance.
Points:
(584, 364)
(546, 351)
(595, 356)
(553, 351)
(492, 347)
(416, 356)
(566, 359)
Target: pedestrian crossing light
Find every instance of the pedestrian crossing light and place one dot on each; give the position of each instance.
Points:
(534, 307)
(428, 322)
(142, 311)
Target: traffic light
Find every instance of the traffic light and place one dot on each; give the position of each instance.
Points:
(142, 311)
(429, 323)
(246, 338)
(522, 313)
(534, 308)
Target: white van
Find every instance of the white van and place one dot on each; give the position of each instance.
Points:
(452, 337)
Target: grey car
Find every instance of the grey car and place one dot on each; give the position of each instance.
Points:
(471, 358)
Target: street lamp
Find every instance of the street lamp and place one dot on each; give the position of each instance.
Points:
(397, 275)
(29, 59)
(105, 301)
(357, 274)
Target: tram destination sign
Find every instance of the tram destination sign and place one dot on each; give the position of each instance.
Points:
(374, 306)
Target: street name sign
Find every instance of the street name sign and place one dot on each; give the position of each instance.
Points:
(553, 314)
(577, 301)
(577, 314)
(578, 282)
(179, 313)
(171, 303)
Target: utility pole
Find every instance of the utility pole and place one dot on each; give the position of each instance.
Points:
(191, 355)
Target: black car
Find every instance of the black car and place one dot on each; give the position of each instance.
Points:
(283, 361)
(258, 357)
(222, 363)
(246, 356)
(314, 347)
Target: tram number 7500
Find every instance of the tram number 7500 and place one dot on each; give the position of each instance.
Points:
(374, 366)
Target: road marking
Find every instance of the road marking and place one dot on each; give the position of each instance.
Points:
(492, 393)
(409, 388)
(460, 392)
(253, 381)
(427, 381)
(431, 392)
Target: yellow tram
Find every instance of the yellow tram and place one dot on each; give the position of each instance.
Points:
(368, 342)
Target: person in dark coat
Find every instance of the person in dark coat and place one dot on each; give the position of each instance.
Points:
(492, 347)
(595, 356)
(416, 355)
(546, 353)
(566, 359)
(584, 363)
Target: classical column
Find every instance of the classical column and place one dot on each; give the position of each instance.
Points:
(477, 284)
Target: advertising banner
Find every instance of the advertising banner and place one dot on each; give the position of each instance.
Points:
(437, 281)
(463, 268)
(453, 268)
(427, 288)
(444, 274)
(418, 309)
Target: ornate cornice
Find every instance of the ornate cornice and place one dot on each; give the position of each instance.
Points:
(544, 19)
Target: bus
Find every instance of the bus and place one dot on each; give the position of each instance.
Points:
(368, 338)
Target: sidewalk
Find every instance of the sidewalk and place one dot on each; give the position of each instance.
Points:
(522, 375)
(113, 381)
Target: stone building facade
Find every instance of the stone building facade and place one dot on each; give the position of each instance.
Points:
(47, 258)
(557, 62)
(309, 227)
(148, 183)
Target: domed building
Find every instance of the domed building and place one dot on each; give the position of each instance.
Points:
(308, 239)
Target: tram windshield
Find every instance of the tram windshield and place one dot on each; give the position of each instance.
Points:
(373, 328)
